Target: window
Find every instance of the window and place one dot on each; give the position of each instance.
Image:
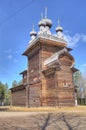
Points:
(66, 84)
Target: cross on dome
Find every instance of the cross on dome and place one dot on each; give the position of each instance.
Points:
(59, 28)
(46, 12)
(33, 32)
(44, 27)
(58, 22)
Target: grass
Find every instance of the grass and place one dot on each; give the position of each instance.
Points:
(44, 109)
(49, 109)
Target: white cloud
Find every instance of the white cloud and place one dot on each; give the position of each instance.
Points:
(73, 41)
(10, 56)
(83, 65)
(83, 37)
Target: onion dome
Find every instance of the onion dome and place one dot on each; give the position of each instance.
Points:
(41, 23)
(48, 22)
(33, 32)
(59, 28)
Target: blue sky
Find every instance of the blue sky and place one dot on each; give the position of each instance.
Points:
(16, 19)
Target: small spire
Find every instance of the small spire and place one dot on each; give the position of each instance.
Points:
(41, 16)
(33, 32)
(46, 12)
(58, 22)
(59, 30)
(33, 27)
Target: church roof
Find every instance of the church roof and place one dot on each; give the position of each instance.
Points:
(56, 56)
(45, 34)
(48, 39)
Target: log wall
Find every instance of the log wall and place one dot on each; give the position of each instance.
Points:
(35, 79)
(54, 90)
(49, 90)
(34, 69)
(47, 51)
(35, 95)
(19, 97)
(25, 79)
(65, 83)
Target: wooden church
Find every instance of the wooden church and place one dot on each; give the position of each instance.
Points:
(48, 79)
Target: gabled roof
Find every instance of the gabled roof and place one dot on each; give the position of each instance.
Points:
(56, 56)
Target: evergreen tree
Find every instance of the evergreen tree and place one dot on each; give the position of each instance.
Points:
(2, 93)
(14, 83)
(7, 95)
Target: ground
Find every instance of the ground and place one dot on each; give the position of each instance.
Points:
(43, 120)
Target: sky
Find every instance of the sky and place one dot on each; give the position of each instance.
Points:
(16, 20)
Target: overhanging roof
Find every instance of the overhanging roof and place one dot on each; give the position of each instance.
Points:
(74, 69)
(19, 87)
(46, 39)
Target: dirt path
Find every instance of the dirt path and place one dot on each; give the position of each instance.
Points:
(42, 121)
(18, 114)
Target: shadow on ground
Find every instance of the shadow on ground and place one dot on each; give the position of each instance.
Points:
(45, 121)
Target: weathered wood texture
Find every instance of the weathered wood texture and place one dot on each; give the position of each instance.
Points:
(19, 97)
(34, 78)
(54, 93)
(47, 51)
(25, 79)
(65, 83)
(34, 74)
(49, 93)
(46, 86)
(35, 95)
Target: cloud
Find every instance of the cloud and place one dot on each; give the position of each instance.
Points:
(73, 41)
(83, 68)
(83, 37)
(10, 56)
(8, 51)
(83, 65)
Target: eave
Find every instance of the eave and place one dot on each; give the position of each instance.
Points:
(74, 69)
(19, 87)
(69, 49)
(44, 40)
